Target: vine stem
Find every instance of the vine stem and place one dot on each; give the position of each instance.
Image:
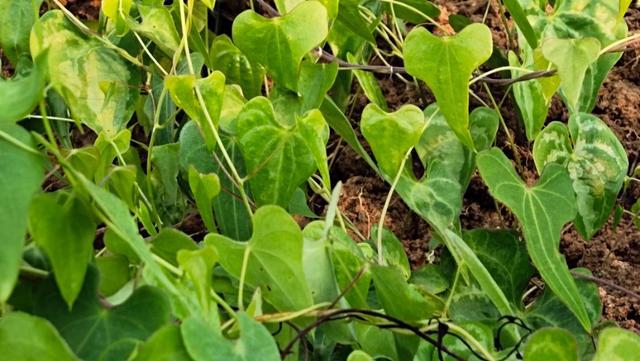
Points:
(243, 276)
(216, 135)
(387, 201)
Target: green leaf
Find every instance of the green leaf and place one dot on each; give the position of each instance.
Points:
(531, 100)
(572, 57)
(403, 300)
(65, 230)
(117, 217)
(91, 330)
(446, 64)
(505, 257)
(205, 187)
(279, 158)
(270, 41)
(520, 18)
(164, 345)
(316, 260)
(20, 94)
(350, 18)
(552, 145)
(114, 273)
(23, 172)
(204, 343)
(158, 26)
(341, 125)
(198, 266)
(616, 344)
(315, 81)
(99, 88)
(551, 344)
(391, 135)
(236, 66)
(168, 242)
(549, 311)
(392, 250)
(16, 20)
(165, 160)
(369, 84)
(27, 338)
(597, 165)
(410, 14)
(274, 259)
(624, 6)
(349, 262)
(117, 11)
(231, 215)
(543, 211)
(183, 92)
(358, 355)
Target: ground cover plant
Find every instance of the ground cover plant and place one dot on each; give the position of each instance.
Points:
(171, 184)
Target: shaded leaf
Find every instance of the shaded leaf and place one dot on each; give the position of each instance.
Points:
(164, 345)
(93, 331)
(23, 172)
(20, 94)
(236, 66)
(16, 20)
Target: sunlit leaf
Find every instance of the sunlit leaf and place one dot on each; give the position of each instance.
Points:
(446, 64)
(27, 338)
(551, 344)
(269, 41)
(274, 259)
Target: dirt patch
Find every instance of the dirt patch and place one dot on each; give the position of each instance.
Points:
(84, 9)
(613, 254)
(362, 200)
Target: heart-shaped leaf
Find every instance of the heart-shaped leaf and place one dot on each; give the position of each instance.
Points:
(280, 43)
(274, 259)
(572, 57)
(205, 343)
(117, 11)
(616, 344)
(90, 329)
(23, 173)
(551, 344)
(597, 164)
(99, 88)
(183, 92)
(391, 135)
(446, 64)
(279, 158)
(542, 210)
(28, 338)
(236, 66)
(65, 231)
